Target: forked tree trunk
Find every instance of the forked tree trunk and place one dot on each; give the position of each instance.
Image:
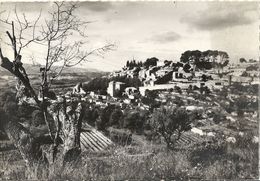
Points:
(67, 119)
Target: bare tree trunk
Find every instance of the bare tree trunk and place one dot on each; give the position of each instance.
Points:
(70, 120)
(67, 118)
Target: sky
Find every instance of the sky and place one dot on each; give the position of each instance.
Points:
(165, 30)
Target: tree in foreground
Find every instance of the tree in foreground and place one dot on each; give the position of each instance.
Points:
(55, 32)
(170, 123)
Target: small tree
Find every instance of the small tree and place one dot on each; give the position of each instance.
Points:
(133, 121)
(105, 115)
(91, 116)
(242, 60)
(245, 74)
(178, 89)
(241, 104)
(115, 117)
(149, 99)
(170, 123)
(151, 62)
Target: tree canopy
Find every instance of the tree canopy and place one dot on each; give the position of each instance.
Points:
(206, 59)
(242, 60)
(170, 123)
(151, 62)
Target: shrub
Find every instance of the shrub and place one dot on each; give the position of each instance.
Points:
(221, 169)
(134, 121)
(91, 116)
(119, 136)
(241, 104)
(103, 121)
(116, 117)
(178, 89)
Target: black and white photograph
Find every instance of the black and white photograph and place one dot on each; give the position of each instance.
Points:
(129, 90)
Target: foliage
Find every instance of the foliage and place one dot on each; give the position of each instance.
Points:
(151, 62)
(242, 60)
(218, 115)
(95, 84)
(116, 118)
(149, 99)
(252, 60)
(120, 136)
(178, 101)
(187, 67)
(206, 59)
(91, 116)
(131, 64)
(167, 63)
(252, 68)
(129, 82)
(205, 78)
(245, 74)
(178, 89)
(164, 79)
(238, 89)
(104, 117)
(170, 123)
(134, 121)
(100, 84)
(241, 104)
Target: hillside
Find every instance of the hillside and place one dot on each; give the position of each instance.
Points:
(68, 78)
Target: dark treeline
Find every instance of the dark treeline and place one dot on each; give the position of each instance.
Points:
(113, 116)
(101, 84)
(149, 62)
(133, 63)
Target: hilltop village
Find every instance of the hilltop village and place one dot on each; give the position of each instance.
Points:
(202, 83)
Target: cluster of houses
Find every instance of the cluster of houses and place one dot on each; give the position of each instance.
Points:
(172, 76)
(175, 77)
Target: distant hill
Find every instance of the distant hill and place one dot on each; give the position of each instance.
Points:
(34, 69)
(69, 77)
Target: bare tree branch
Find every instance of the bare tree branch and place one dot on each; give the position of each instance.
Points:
(61, 51)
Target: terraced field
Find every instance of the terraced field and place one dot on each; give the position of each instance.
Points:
(94, 140)
(189, 138)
